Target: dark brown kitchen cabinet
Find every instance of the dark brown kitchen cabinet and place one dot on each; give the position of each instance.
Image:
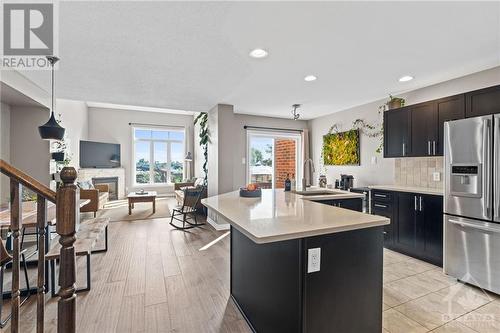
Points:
(448, 109)
(420, 226)
(431, 224)
(482, 102)
(416, 227)
(406, 231)
(397, 139)
(424, 129)
(382, 204)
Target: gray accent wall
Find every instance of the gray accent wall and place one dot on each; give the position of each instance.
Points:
(227, 148)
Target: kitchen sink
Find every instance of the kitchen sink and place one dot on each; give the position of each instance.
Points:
(316, 192)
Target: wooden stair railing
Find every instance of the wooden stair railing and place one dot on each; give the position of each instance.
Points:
(67, 200)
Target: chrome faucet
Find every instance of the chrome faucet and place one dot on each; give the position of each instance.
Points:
(306, 181)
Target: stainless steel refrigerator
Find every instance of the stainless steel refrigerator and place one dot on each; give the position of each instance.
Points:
(472, 201)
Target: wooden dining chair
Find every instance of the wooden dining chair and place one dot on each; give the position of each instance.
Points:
(5, 259)
(186, 213)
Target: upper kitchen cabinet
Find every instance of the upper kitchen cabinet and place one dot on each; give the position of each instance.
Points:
(482, 102)
(397, 139)
(424, 129)
(448, 109)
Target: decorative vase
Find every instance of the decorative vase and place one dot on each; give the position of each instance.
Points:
(322, 181)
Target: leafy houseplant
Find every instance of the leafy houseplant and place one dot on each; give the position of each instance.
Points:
(204, 136)
(395, 102)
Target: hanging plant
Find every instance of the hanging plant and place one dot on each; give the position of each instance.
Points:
(365, 128)
(204, 136)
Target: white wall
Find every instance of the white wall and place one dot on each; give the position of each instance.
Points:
(383, 171)
(74, 117)
(28, 152)
(4, 149)
(112, 126)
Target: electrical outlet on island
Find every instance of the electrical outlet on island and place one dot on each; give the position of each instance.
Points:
(313, 260)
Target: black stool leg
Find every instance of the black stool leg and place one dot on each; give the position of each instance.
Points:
(25, 268)
(2, 322)
(53, 278)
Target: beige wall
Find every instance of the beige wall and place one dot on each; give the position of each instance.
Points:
(74, 117)
(4, 149)
(383, 172)
(112, 126)
(28, 152)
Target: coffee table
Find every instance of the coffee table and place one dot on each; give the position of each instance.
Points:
(134, 197)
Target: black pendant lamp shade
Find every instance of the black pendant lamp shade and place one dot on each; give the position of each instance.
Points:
(51, 130)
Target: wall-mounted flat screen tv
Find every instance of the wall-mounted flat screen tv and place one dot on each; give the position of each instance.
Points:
(99, 155)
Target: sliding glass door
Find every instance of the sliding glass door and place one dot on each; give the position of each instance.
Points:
(272, 156)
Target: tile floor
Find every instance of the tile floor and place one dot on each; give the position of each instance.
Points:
(418, 297)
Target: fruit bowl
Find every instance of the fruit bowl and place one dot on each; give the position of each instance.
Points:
(244, 192)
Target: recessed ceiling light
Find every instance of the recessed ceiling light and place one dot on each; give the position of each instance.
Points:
(405, 78)
(310, 78)
(258, 53)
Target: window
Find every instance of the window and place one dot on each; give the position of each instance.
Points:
(158, 155)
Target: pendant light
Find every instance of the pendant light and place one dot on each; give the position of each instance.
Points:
(295, 115)
(51, 130)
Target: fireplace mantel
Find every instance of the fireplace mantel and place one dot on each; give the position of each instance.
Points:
(89, 173)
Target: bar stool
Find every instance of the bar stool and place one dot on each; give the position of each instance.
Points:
(5, 259)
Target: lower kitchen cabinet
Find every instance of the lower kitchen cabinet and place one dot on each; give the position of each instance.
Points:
(352, 204)
(416, 227)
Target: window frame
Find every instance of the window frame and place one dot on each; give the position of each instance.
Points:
(152, 142)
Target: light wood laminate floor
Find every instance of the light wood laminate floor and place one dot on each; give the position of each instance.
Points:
(155, 279)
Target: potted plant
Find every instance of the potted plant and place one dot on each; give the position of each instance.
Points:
(395, 102)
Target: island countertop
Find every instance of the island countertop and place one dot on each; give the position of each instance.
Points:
(279, 215)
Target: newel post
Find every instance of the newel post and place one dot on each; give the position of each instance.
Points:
(67, 216)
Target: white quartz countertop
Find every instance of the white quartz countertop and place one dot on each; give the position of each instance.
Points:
(411, 189)
(279, 215)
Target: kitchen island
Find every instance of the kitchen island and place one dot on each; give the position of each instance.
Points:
(275, 278)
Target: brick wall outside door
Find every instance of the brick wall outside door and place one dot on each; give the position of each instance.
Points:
(284, 157)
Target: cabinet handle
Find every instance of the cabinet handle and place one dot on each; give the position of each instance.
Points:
(380, 206)
(380, 195)
(404, 150)
(434, 147)
(428, 147)
(385, 232)
(420, 203)
(415, 197)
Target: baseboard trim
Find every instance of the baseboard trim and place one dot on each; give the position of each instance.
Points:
(217, 226)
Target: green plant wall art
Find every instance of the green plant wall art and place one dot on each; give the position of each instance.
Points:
(341, 148)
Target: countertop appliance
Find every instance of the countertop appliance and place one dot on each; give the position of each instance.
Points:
(346, 182)
(472, 201)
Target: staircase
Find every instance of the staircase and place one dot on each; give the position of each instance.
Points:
(67, 200)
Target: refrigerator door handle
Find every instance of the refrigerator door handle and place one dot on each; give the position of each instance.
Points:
(487, 167)
(429, 147)
(475, 226)
(496, 166)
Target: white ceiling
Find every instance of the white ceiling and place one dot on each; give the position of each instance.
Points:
(190, 56)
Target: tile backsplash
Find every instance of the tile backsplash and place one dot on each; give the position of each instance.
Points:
(418, 171)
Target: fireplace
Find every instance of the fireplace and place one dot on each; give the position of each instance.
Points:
(112, 183)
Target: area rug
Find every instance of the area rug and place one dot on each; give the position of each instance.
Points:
(117, 210)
